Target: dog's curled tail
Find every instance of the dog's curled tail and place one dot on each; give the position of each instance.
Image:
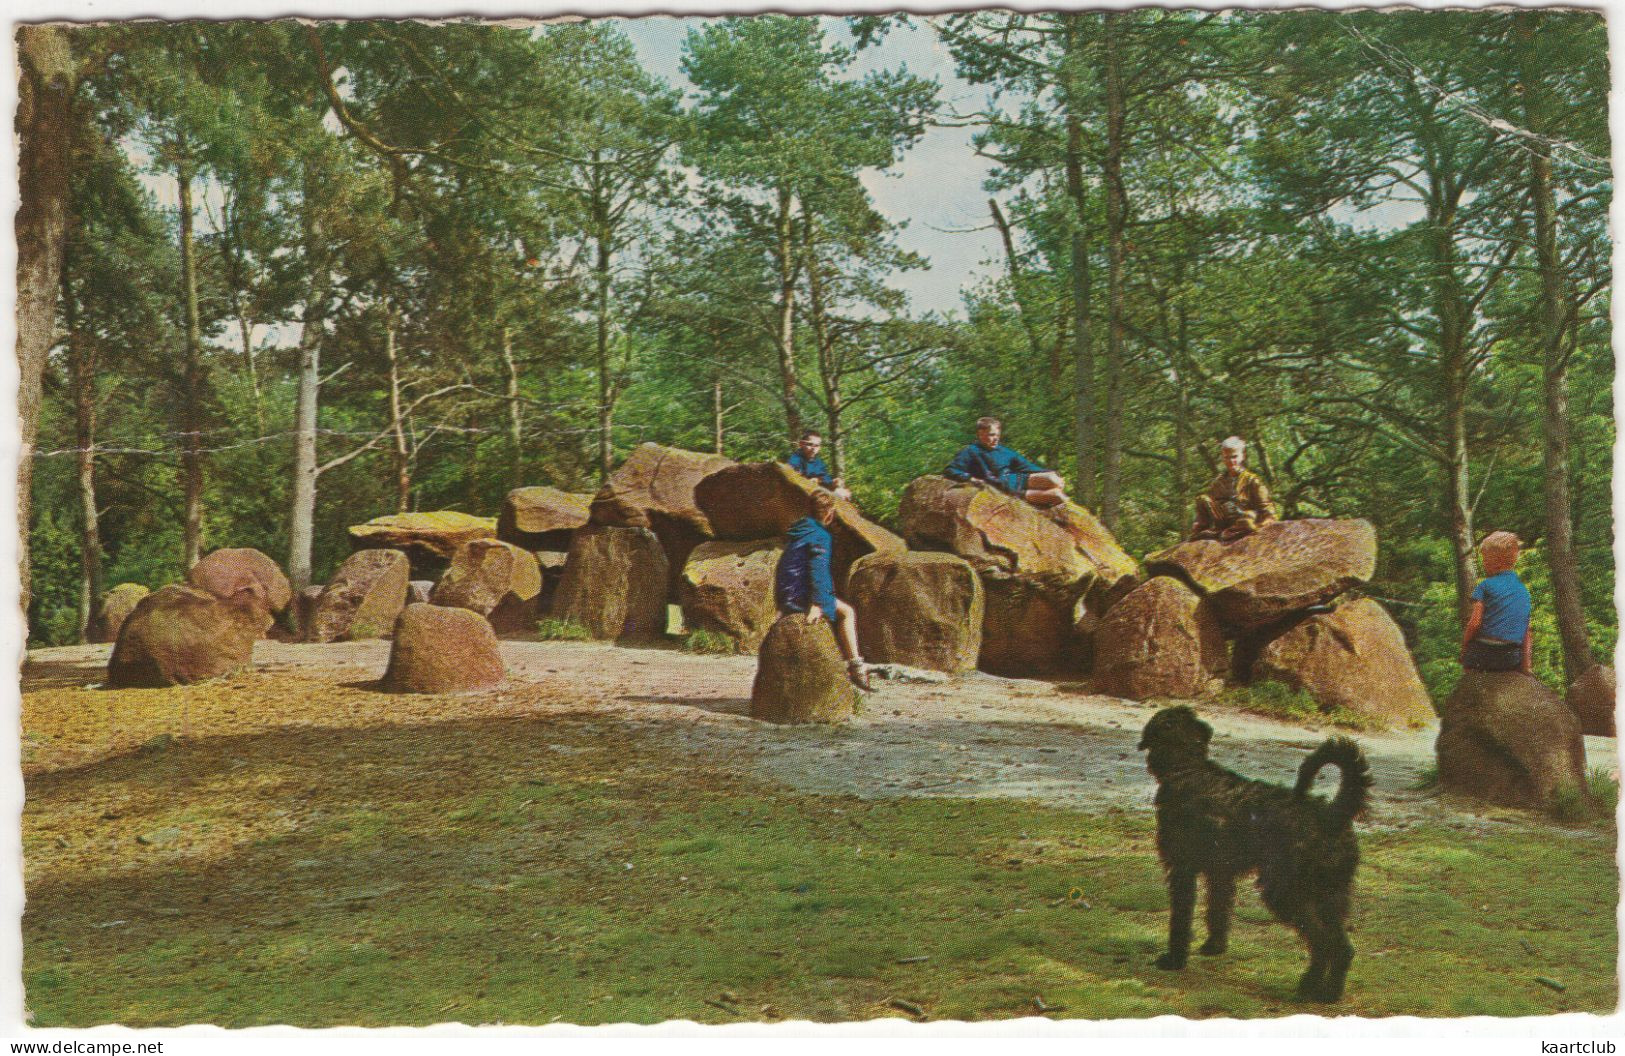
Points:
(1352, 793)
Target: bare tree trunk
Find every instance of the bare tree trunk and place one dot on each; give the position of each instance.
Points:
(829, 375)
(516, 468)
(1559, 542)
(1083, 353)
(400, 456)
(45, 121)
(302, 508)
(245, 329)
(82, 368)
(787, 315)
(1018, 281)
(1116, 219)
(606, 383)
(191, 380)
(716, 413)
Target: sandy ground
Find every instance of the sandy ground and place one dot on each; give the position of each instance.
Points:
(974, 736)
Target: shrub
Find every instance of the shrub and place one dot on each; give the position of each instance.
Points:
(710, 642)
(552, 629)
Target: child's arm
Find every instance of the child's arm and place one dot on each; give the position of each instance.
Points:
(1475, 619)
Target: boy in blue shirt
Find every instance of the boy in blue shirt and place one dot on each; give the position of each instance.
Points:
(804, 582)
(1497, 636)
(804, 460)
(990, 463)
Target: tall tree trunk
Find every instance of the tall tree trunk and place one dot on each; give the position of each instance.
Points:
(400, 456)
(191, 379)
(1559, 542)
(1116, 219)
(245, 330)
(787, 314)
(82, 381)
(829, 375)
(606, 383)
(1018, 283)
(302, 507)
(45, 129)
(516, 468)
(716, 413)
(1083, 353)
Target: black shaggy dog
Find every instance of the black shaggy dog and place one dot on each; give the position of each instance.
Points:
(1222, 825)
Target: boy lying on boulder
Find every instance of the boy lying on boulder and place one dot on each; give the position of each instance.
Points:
(988, 462)
(803, 582)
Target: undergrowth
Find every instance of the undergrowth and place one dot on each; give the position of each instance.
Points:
(553, 629)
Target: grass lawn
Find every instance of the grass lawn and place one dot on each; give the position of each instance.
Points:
(529, 871)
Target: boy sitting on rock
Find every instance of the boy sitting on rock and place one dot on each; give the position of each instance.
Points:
(1497, 636)
(803, 582)
(988, 462)
(804, 460)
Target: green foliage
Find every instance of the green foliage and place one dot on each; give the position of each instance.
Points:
(710, 642)
(1278, 700)
(553, 629)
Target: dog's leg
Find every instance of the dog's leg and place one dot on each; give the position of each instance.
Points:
(1337, 968)
(1221, 896)
(1330, 954)
(1182, 907)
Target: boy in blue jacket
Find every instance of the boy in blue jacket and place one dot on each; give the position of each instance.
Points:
(804, 582)
(1497, 636)
(987, 462)
(804, 460)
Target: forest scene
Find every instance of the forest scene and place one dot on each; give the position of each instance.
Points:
(283, 287)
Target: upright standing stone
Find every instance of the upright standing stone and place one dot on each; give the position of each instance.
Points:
(919, 609)
(363, 598)
(180, 634)
(495, 579)
(1159, 641)
(1505, 738)
(1353, 659)
(614, 584)
(1592, 698)
(727, 587)
(800, 676)
(654, 488)
(442, 650)
(116, 606)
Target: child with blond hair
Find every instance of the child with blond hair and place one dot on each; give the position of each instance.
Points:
(1497, 636)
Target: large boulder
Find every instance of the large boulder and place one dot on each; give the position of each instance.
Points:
(180, 634)
(919, 609)
(242, 574)
(1352, 659)
(427, 539)
(727, 587)
(542, 518)
(1592, 697)
(442, 650)
(1507, 739)
(800, 676)
(614, 583)
(1001, 534)
(363, 598)
(495, 579)
(654, 488)
(116, 606)
(1159, 641)
(1283, 568)
(761, 500)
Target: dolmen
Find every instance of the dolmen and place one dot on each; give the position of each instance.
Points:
(728, 585)
(1045, 574)
(1268, 606)
(542, 518)
(427, 539)
(1507, 739)
(654, 489)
